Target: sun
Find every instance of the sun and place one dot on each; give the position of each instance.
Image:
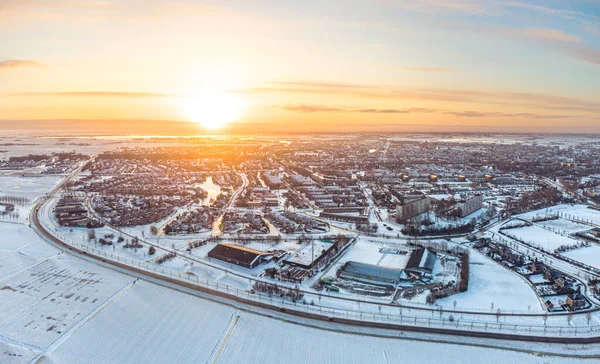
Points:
(212, 108)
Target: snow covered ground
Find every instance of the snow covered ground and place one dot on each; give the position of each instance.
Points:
(17, 237)
(588, 255)
(491, 283)
(14, 354)
(29, 187)
(580, 211)
(148, 324)
(541, 237)
(271, 341)
(69, 310)
(44, 301)
(563, 226)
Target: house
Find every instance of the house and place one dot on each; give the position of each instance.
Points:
(537, 267)
(576, 301)
(553, 274)
(559, 284)
(238, 255)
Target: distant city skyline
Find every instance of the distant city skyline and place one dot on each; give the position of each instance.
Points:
(301, 66)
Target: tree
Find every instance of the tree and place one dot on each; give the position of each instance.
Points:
(92, 234)
(151, 250)
(153, 230)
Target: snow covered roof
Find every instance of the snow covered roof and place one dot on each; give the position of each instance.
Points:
(373, 271)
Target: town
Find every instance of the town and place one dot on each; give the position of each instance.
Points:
(422, 231)
(364, 217)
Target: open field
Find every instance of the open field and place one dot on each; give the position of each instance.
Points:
(588, 255)
(491, 283)
(43, 302)
(541, 237)
(149, 324)
(271, 341)
(20, 238)
(13, 354)
(571, 211)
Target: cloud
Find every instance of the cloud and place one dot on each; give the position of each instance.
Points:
(586, 54)
(427, 69)
(549, 35)
(487, 10)
(478, 114)
(96, 94)
(580, 52)
(302, 108)
(476, 97)
(436, 6)
(18, 63)
(550, 11)
(313, 108)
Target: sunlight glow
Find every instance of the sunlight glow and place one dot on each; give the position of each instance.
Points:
(212, 108)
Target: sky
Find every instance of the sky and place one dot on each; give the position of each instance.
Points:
(302, 66)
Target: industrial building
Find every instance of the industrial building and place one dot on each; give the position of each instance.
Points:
(315, 254)
(374, 273)
(238, 255)
(421, 261)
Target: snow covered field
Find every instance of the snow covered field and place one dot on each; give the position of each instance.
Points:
(491, 283)
(564, 226)
(541, 237)
(149, 324)
(18, 237)
(271, 341)
(589, 255)
(14, 354)
(580, 211)
(28, 187)
(99, 316)
(43, 302)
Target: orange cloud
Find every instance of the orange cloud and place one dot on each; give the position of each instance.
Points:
(97, 94)
(427, 69)
(17, 63)
(469, 114)
(478, 97)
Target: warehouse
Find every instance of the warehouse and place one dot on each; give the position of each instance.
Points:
(238, 255)
(373, 273)
(421, 261)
